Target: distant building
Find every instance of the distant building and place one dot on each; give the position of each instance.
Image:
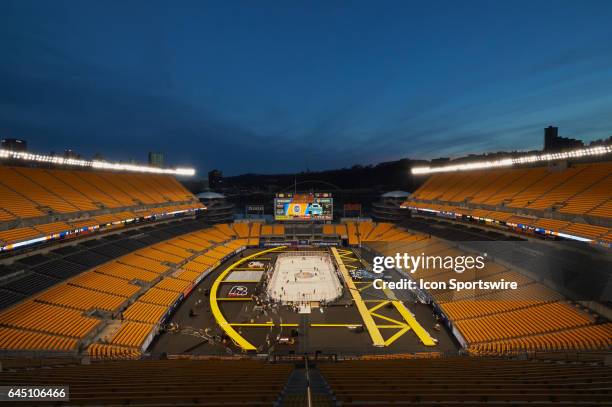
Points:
(156, 159)
(554, 143)
(14, 144)
(215, 179)
(601, 142)
(440, 161)
(550, 136)
(71, 154)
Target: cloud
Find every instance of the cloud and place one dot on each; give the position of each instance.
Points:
(325, 115)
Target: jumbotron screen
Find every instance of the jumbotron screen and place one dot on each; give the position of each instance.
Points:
(303, 207)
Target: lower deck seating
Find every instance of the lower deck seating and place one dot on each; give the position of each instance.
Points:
(255, 234)
(466, 381)
(266, 230)
(131, 334)
(241, 229)
(16, 339)
(135, 291)
(588, 338)
(358, 232)
(80, 298)
(529, 321)
(145, 312)
(102, 351)
(162, 382)
(35, 316)
(138, 289)
(533, 317)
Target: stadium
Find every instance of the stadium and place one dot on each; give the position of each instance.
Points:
(313, 204)
(109, 270)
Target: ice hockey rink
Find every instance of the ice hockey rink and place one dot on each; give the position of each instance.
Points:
(301, 277)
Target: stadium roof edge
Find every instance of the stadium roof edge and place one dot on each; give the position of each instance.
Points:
(95, 164)
(508, 162)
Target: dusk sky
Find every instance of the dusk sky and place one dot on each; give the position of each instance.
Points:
(260, 86)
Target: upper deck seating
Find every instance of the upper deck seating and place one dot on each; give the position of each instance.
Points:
(34, 194)
(582, 190)
(579, 189)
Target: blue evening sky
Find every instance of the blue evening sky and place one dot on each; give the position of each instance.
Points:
(276, 86)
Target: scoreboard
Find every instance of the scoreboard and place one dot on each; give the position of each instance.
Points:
(304, 207)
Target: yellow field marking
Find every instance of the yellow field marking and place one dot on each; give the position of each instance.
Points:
(234, 299)
(349, 258)
(216, 311)
(395, 321)
(351, 267)
(377, 339)
(260, 324)
(396, 335)
(392, 326)
(334, 325)
(403, 326)
(381, 304)
(240, 281)
(414, 324)
(365, 287)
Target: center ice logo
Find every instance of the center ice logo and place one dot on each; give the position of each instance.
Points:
(238, 291)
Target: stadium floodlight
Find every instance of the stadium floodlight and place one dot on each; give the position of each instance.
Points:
(508, 162)
(97, 164)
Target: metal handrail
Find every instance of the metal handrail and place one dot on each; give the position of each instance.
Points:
(308, 389)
